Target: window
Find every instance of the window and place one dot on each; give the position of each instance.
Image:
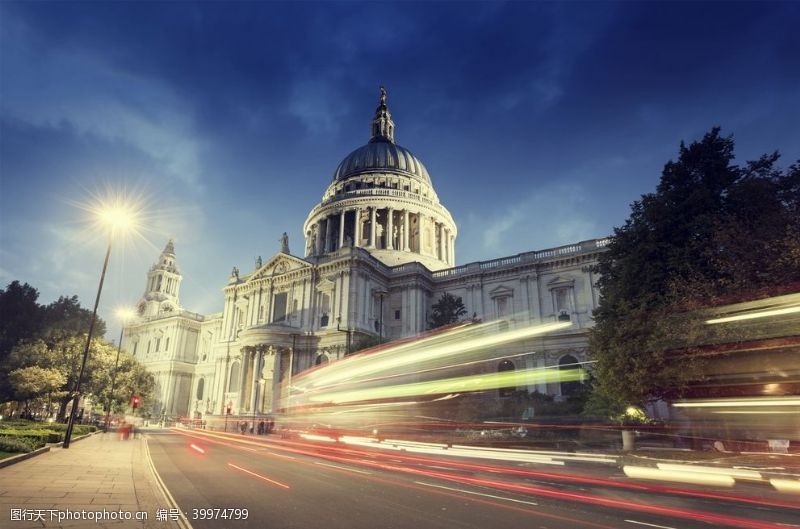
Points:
(200, 388)
(158, 343)
(397, 314)
(233, 384)
(148, 347)
(166, 346)
(135, 346)
(568, 367)
(321, 360)
(504, 366)
(279, 304)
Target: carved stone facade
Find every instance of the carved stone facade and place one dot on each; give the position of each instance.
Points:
(379, 252)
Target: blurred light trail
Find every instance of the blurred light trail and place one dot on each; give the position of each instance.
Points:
(754, 315)
(480, 382)
(737, 473)
(367, 458)
(789, 486)
(197, 448)
(695, 478)
(427, 349)
(734, 403)
(343, 468)
(259, 476)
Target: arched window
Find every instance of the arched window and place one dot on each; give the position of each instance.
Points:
(568, 365)
(200, 388)
(506, 365)
(321, 360)
(233, 385)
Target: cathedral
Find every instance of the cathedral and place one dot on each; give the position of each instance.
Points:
(379, 252)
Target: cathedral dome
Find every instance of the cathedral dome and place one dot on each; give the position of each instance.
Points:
(382, 157)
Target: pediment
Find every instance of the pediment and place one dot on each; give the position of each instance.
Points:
(279, 264)
(325, 284)
(560, 282)
(501, 292)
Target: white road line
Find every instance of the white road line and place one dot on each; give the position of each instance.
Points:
(650, 524)
(475, 493)
(342, 468)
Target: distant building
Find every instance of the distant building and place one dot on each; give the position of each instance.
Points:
(379, 251)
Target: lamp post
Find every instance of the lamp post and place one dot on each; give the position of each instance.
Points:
(117, 218)
(123, 314)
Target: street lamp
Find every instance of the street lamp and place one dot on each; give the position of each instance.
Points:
(118, 219)
(123, 314)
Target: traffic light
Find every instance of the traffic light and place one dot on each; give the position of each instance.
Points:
(228, 409)
(135, 401)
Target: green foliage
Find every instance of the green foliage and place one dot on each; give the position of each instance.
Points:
(34, 381)
(18, 444)
(365, 342)
(65, 316)
(449, 309)
(711, 230)
(32, 436)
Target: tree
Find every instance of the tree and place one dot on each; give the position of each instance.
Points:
(66, 317)
(710, 229)
(447, 310)
(34, 382)
(20, 316)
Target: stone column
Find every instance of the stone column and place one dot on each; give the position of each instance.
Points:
(328, 232)
(357, 228)
(373, 217)
(318, 245)
(341, 229)
(390, 229)
(406, 229)
(440, 233)
(452, 249)
(253, 381)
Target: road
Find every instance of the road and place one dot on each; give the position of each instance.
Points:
(306, 484)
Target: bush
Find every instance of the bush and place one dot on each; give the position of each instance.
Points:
(39, 436)
(19, 444)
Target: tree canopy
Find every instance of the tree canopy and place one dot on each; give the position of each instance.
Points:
(711, 230)
(41, 349)
(449, 309)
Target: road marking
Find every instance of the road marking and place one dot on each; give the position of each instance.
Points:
(342, 468)
(277, 455)
(259, 476)
(650, 524)
(182, 521)
(475, 493)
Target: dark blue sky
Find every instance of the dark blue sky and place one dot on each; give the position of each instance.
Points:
(539, 122)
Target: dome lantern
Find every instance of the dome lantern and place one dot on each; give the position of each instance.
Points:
(382, 124)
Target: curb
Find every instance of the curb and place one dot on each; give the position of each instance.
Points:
(22, 457)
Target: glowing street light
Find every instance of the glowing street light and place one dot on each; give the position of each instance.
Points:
(118, 218)
(124, 314)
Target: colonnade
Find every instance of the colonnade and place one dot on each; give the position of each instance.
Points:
(251, 395)
(382, 229)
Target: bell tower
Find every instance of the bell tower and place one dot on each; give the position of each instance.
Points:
(163, 285)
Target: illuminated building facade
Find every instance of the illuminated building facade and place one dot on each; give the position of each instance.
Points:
(379, 251)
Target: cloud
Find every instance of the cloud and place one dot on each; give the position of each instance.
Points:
(546, 217)
(85, 91)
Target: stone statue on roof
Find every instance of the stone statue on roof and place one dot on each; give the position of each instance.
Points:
(284, 240)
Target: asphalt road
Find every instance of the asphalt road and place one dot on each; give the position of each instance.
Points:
(302, 484)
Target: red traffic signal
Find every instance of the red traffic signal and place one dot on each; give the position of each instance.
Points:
(135, 401)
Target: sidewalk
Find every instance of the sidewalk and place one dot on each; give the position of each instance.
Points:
(108, 479)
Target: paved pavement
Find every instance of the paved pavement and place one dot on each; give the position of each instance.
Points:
(98, 482)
